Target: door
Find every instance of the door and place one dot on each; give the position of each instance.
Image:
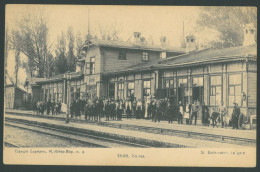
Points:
(197, 94)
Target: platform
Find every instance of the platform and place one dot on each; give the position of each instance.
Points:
(144, 127)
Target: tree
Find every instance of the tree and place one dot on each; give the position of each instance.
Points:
(30, 37)
(71, 58)
(110, 31)
(228, 21)
(79, 43)
(60, 65)
(17, 66)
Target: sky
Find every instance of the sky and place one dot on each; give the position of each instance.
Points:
(151, 21)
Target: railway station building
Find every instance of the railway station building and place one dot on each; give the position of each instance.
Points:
(121, 70)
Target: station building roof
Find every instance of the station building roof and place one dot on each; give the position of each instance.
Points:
(60, 77)
(206, 56)
(131, 45)
(17, 87)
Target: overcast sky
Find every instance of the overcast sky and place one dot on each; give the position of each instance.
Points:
(151, 21)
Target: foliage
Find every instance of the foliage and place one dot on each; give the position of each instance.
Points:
(60, 65)
(30, 37)
(110, 31)
(229, 21)
(71, 58)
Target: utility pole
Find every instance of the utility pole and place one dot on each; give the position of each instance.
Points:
(68, 77)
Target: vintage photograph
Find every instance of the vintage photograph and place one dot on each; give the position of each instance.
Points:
(94, 76)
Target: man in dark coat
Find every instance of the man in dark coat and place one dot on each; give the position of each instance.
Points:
(72, 108)
(86, 110)
(134, 104)
(112, 110)
(169, 113)
(48, 106)
(157, 111)
(205, 114)
(215, 115)
(59, 107)
(235, 115)
(77, 108)
(100, 107)
(153, 109)
(107, 109)
(53, 105)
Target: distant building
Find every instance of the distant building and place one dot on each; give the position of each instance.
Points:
(13, 97)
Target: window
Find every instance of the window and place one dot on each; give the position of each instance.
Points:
(183, 82)
(235, 89)
(59, 93)
(145, 56)
(130, 89)
(169, 87)
(184, 92)
(163, 55)
(92, 65)
(147, 88)
(87, 68)
(120, 90)
(168, 83)
(55, 94)
(197, 81)
(111, 91)
(215, 90)
(45, 95)
(78, 92)
(122, 55)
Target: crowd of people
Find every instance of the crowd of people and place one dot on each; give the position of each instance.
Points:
(153, 108)
(51, 107)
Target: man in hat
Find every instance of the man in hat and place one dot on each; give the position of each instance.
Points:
(195, 109)
(49, 105)
(235, 115)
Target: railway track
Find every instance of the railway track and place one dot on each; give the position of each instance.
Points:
(83, 138)
(162, 131)
(8, 144)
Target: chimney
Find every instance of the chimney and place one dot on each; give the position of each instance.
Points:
(163, 40)
(137, 36)
(142, 40)
(191, 43)
(249, 35)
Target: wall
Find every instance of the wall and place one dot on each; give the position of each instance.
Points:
(133, 57)
(36, 93)
(252, 89)
(18, 100)
(94, 51)
(9, 97)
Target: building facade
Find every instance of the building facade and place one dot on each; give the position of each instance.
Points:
(121, 70)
